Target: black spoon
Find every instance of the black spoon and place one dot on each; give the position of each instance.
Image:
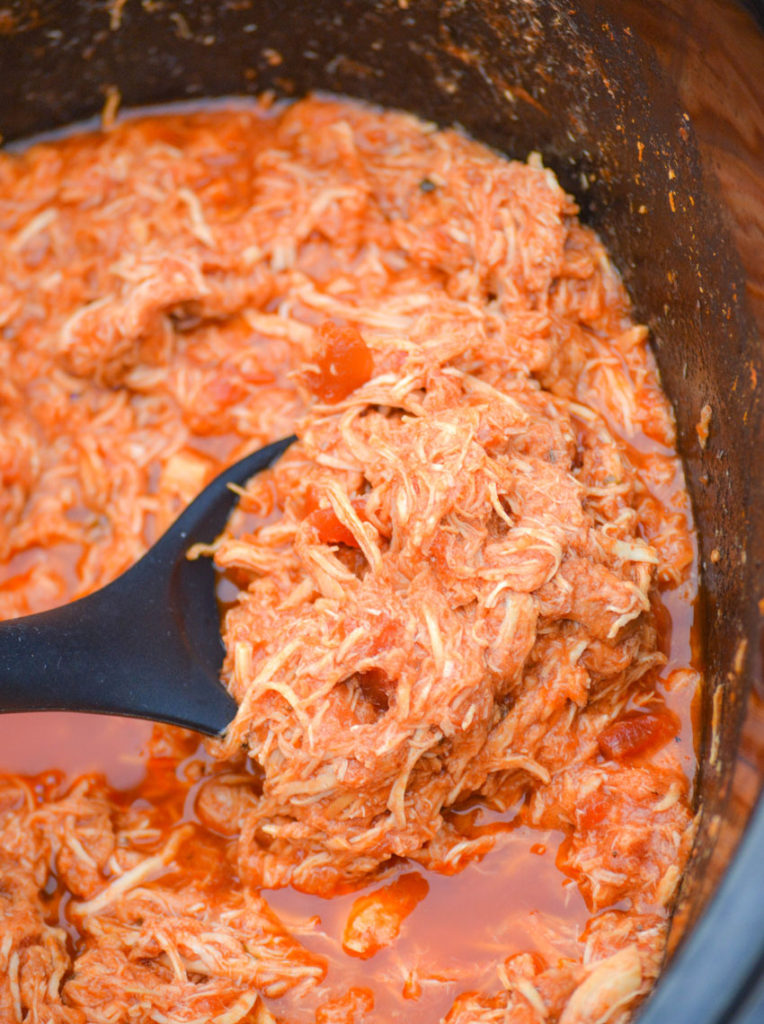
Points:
(147, 645)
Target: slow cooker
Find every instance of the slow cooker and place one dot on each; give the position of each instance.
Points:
(651, 112)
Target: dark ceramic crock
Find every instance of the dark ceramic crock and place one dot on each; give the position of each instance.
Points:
(636, 104)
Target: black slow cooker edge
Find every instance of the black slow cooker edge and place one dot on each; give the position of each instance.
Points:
(582, 83)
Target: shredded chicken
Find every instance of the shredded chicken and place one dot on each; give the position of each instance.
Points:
(457, 583)
(446, 627)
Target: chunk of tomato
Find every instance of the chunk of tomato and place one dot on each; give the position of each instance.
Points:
(636, 733)
(343, 363)
(329, 529)
(375, 920)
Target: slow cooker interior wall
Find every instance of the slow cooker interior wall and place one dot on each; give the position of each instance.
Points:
(519, 75)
